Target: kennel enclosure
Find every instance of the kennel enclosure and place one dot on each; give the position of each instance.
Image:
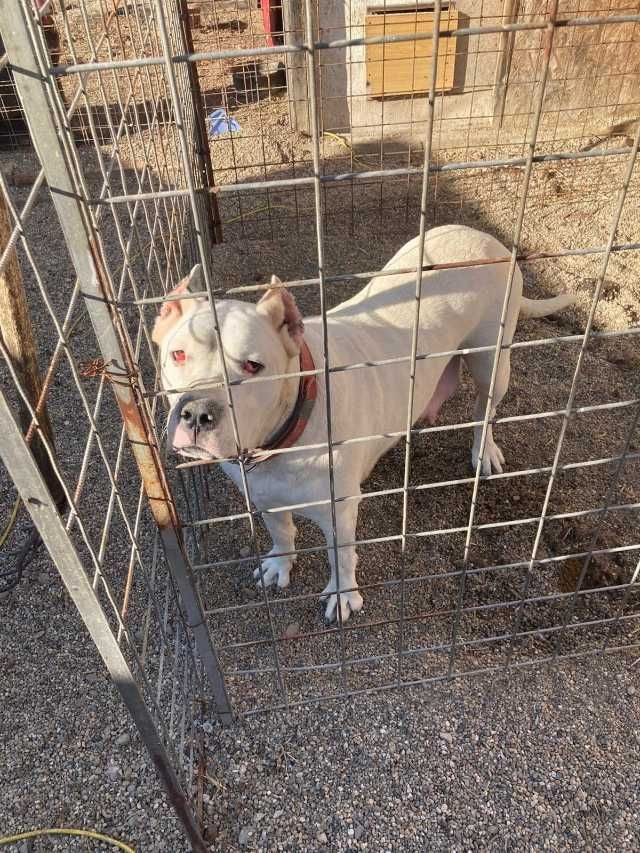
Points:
(361, 127)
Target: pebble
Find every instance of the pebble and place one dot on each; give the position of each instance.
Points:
(278, 814)
(631, 690)
(113, 773)
(245, 551)
(44, 578)
(292, 630)
(447, 736)
(245, 834)
(321, 838)
(358, 832)
(123, 740)
(92, 677)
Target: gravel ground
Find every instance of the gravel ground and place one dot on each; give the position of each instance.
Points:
(539, 761)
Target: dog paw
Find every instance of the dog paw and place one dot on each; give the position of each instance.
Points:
(350, 602)
(273, 570)
(492, 460)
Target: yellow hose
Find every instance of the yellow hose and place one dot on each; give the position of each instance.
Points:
(86, 833)
(12, 520)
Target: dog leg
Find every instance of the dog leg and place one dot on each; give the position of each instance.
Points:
(343, 576)
(283, 534)
(480, 365)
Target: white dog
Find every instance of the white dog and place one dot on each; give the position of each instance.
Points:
(460, 308)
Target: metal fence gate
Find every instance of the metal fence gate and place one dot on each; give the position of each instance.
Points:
(465, 573)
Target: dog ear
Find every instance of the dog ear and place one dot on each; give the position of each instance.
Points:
(174, 310)
(195, 282)
(279, 306)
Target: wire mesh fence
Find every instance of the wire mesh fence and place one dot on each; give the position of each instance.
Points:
(312, 142)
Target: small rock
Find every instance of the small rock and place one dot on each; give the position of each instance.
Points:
(113, 772)
(44, 578)
(278, 814)
(292, 630)
(446, 736)
(321, 838)
(26, 846)
(245, 551)
(92, 677)
(358, 832)
(631, 690)
(123, 740)
(245, 834)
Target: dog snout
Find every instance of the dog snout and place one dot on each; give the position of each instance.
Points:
(199, 415)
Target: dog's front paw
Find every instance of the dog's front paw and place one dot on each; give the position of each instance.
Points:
(492, 460)
(350, 602)
(274, 570)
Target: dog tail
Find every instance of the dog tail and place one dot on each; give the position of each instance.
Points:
(543, 307)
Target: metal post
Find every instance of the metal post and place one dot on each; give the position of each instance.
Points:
(201, 141)
(54, 146)
(42, 507)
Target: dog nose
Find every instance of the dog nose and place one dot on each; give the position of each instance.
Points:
(200, 415)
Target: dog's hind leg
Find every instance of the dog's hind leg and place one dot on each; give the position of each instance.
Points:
(480, 366)
(274, 568)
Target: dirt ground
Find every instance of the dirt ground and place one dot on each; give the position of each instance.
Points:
(66, 738)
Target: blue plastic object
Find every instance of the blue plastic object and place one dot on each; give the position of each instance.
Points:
(218, 122)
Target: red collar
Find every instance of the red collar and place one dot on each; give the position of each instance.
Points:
(294, 426)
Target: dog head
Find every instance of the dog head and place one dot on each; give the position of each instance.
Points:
(257, 340)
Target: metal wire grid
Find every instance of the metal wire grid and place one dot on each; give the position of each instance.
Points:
(527, 162)
(456, 646)
(276, 679)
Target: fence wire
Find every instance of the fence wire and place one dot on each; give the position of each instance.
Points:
(166, 133)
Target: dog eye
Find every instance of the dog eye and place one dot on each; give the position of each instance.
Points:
(252, 366)
(179, 356)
